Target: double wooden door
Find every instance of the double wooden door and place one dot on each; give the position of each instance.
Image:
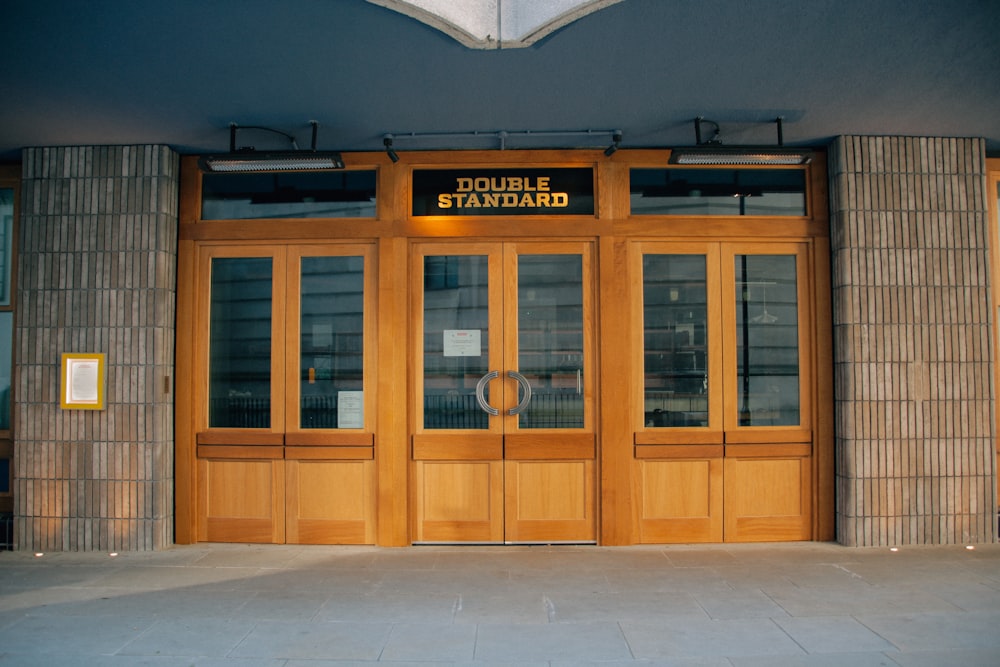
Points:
(503, 438)
(285, 446)
(725, 449)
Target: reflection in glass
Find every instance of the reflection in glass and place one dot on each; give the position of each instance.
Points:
(288, 194)
(550, 339)
(6, 357)
(678, 191)
(6, 242)
(767, 340)
(675, 328)
(240, 343)
(332, 342)
(456, 341)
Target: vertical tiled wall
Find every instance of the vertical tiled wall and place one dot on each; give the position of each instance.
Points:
(97, 273)
(912, 332)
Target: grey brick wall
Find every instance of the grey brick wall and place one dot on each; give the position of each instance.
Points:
(913, 341)
(97, 273)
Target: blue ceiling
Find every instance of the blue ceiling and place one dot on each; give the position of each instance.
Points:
(178, 72)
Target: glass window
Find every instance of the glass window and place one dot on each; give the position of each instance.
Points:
(767, 340)
(326, 194)
(240, 343)
(730, 192)
(6, 243)
(6, 357)
(675, 328)
(550, 339)
(456, 304)
(332, 341)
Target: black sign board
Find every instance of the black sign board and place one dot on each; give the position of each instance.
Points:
(479, 192)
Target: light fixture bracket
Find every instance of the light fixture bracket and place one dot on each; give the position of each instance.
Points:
(247, 159)
(712, 152)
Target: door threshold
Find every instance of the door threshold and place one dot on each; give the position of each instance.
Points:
(507, 544)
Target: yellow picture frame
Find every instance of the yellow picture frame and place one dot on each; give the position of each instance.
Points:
(82, 380)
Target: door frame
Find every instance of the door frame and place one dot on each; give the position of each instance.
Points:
(394, 227)
(278, 463)
(718, 465)
(502, 455)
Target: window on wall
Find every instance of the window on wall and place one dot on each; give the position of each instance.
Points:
(729, 192)
(286, 343)
(9, 188)
(338, 194)
(722, 337)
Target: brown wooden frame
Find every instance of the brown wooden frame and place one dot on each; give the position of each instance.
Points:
(992, 193)
(612, 229)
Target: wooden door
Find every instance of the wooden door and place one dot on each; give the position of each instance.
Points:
(329, 353)
(680, 441)
(724, 448)
(768, 392)
(285, 449)
(503, 438)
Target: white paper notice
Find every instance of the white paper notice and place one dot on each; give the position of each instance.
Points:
(322, 335)
(350, 409)
(83, 384)
(462, 343)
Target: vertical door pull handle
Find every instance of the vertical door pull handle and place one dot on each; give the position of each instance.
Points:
(481, 393)
(525, 398)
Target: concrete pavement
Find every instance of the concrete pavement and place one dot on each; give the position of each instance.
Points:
(800, 604)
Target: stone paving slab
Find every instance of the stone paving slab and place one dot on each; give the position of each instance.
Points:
(224, 605)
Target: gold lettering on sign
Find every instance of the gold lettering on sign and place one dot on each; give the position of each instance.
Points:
(503, 192)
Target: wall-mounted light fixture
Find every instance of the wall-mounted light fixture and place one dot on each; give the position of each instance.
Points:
(387, 142)
(247, 159)
(713, 152)
(616, 141)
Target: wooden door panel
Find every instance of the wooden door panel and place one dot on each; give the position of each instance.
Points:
(459, 501)
(489, 467)
(550, 501)
(767, 499)
(241, 500)
(535, 446)
(330, 502)
(473, 446)
(680, 500)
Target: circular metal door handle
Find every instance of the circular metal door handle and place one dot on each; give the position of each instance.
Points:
(481, 393)
(526, 398)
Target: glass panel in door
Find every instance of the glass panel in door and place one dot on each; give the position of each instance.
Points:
(331, 342)
(675, 340)
(456, 341)
(767, 340)
(550, 341)
(240, 342)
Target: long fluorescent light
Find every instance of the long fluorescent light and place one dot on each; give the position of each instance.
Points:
(738, 156)
(288, 161)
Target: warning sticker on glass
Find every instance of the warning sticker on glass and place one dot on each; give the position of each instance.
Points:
(462, 343)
